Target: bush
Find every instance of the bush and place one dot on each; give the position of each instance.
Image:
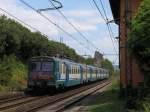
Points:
(12, 73)
(139, 38)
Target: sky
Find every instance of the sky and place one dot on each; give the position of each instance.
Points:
(81, 13)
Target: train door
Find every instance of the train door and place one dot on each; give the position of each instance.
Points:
(63, 71)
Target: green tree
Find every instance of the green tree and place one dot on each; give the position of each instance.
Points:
(24, 44)
(89, 61)
(11, 67)
(108, 65)
(139, 40)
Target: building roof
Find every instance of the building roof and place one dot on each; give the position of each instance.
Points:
(115, 7)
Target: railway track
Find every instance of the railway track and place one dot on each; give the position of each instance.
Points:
(66, 103)
(12, 99)
(6, 96)
(32, 104)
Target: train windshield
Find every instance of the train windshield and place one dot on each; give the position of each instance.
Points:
(47, 66)
(42, 66)
(35, 66)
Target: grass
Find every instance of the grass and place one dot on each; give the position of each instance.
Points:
(108, 101)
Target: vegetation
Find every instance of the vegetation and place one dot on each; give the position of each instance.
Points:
(12, 74)
(108, 101)
(108, 65)
(24, 44)
(18, 44)
(89, 61)
(138, 42)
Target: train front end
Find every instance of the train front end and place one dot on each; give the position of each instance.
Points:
(41, 73)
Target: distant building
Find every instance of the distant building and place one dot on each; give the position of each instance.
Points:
(98, 58)
(123, 12)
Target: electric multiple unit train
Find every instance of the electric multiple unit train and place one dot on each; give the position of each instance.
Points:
(52, 72)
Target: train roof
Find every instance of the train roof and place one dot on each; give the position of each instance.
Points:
(52, 58)
(63, 60)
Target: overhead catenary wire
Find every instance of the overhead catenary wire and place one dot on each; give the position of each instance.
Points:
(82, 44)
(106, 22)
(106, 17)
(73, 25)
(19, 20)
(108, 26)
(99, 10)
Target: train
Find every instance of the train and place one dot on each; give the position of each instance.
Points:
(52, 72)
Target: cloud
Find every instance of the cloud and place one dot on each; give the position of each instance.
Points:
(86, 21)
(32, 18)
(29, 17)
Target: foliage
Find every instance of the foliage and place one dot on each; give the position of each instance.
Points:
(139, 43)
(89, 61)
(17, 45)
(139, 39)
(18, 40)
(108, 65)
(12, 73)
(146, 106)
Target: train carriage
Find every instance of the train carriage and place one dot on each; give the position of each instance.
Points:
(84, 77)
(73, 75)
(51, 72)
(89, 73)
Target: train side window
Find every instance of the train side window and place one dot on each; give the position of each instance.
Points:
(62, 70)
(72, 69)
(75, 72)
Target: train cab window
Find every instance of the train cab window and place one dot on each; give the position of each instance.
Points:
(47, 66)
(35, 66)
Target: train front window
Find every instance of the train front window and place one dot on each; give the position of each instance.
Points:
(35, 66)
(47, 66)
